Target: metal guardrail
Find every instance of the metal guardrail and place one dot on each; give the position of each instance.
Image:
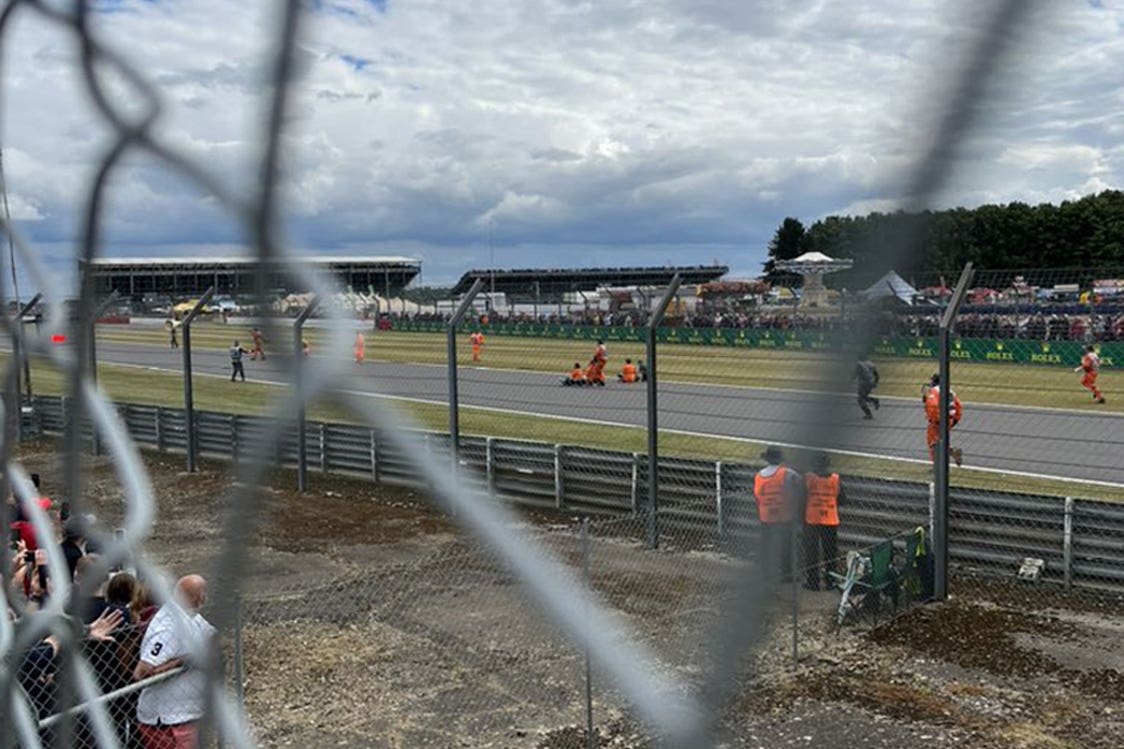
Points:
(1081, 540)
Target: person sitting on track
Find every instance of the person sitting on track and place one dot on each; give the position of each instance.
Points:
(577, 376)
(595, 373)
(628, 373)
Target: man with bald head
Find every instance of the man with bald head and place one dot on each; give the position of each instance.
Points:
(168, 712)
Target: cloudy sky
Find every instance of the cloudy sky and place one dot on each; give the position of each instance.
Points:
(578, 132)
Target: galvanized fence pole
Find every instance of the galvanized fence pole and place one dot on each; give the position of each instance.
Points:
(451, 341)
(188, 391)
(22, 362)
(92, 360)
(940, 460)
(589, 740)
(653, 416)
(298, 377)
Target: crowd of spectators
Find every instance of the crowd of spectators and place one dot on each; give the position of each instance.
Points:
(123, 634)
(1032, 326)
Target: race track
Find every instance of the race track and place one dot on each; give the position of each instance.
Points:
(1037, 441)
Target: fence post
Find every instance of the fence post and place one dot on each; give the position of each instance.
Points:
(490, 464)
(635, 483)
(1067, 543)
(22, 358)
(234, 445)
(92, 352)
(589, 742)
(932, 508)
(559, 485)
(451, 355)
(653, 417)
(374, 458)
(188, 391)
(940, 463)
(158, 418)
(239, 679)
(719, 509)
(298, 380)
(323, 450)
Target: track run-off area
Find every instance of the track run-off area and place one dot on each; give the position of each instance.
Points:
(1056, 443)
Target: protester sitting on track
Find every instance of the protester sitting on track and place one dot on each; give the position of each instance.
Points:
(628, 373)
(577, 376)
(595, 373)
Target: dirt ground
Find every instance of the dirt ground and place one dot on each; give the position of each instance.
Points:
(369, 621)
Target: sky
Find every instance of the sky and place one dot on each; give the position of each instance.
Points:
(550, 133)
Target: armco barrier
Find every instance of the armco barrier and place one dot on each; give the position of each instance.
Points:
(988, 350)
(1081, 540)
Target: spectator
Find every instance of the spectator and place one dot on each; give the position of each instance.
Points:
(73, 541)
(168, 712)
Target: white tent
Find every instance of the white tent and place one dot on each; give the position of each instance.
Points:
(891, 285)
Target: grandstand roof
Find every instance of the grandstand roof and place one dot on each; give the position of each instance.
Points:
(556, 280)
(113, 262)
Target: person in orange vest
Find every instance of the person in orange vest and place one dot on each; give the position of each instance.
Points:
(1091, 366)
(577, 376)
(595, 373)
(778, 490)
(601, 354)
(257, 350)
(628, 372)
(360, 348)
(931, 397)
(824, 494)
(477, 341)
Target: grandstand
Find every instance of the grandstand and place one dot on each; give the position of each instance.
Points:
(549, 286)
(135, 278)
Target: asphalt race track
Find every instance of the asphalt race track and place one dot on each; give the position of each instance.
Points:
(1038, 441)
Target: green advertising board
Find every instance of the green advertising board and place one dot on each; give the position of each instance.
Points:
(983, 350)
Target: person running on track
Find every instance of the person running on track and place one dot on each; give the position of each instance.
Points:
(256, 349)
(477, 341)
(174, 341)
(931, 397)
(1091, 366)
(601, 354)
(866, 374)
(360, 348)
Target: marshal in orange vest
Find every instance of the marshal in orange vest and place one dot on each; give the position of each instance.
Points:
(822, 507)
(772, 504)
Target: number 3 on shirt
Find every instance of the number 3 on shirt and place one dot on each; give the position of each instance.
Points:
(157, 647)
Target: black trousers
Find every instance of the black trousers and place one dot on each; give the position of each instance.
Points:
(865, 398)
(237, 371)
(821, 547)
(776, 547)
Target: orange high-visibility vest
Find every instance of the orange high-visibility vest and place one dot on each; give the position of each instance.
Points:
(577, 374)
(628, 373)
(772, 505)
(823, 499)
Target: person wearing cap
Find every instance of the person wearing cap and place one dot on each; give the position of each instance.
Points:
(824, 492)
(778, 490)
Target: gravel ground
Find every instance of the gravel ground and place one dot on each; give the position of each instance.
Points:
(372, 623)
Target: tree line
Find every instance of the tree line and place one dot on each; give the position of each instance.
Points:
(1087, 233)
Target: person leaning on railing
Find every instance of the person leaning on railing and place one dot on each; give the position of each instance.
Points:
(168, 712)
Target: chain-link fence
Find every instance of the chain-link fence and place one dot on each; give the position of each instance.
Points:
(729, 529)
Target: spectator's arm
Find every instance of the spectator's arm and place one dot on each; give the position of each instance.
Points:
(145, 669)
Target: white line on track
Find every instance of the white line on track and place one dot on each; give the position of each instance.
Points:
(681, 432)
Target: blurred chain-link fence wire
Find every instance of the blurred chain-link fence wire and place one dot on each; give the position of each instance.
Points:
(504, 625)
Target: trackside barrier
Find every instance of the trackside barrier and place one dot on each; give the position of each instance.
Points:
(1081, 540)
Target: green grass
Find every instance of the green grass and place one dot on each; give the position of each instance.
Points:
(136, 385)
(1001, 384)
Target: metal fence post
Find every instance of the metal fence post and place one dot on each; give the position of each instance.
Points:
(559, 484)
(21, 358)
(298, 379)
(158, 426)
(92, 363)
(451, 355)
(719, 509)
(940, 462)
(589, 741)
(635, 496)
(490, 464)
(374, 458)
(239, 679)
(932, 508)
(188, 392)
(323, 450)
(1067, 543)
(653, 420)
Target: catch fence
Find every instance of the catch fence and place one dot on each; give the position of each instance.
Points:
(707, 504)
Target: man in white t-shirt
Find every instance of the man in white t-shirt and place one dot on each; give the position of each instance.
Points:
(168, 712)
